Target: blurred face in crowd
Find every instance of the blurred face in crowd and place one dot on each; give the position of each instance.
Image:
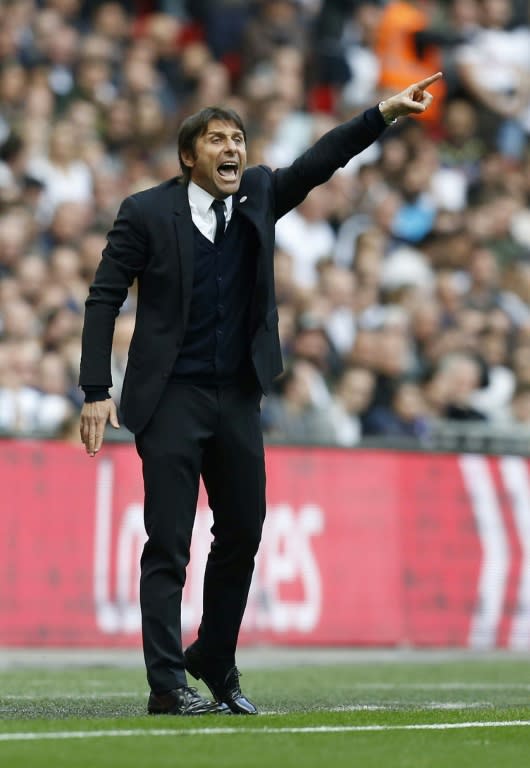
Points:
(408, 402)
(53, 377)
(494, 347)
(392, 352)
(495, 13)
(219, 159)
(279, 12)
(521, 363)
(464, 13)
(460, 121)
(464, 376)
(312, 344)
(483, 267)
(521, 405)
(62, 143)
(297, 392)
(356, 389)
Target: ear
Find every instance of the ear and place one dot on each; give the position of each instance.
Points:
(188, 159)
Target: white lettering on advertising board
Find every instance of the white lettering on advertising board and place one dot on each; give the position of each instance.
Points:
(286, 558)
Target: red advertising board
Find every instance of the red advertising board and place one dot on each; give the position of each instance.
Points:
(359, 548)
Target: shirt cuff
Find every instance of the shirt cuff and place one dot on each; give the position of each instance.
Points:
(93, 393)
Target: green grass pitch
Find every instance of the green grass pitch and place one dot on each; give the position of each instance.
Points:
(449, 712)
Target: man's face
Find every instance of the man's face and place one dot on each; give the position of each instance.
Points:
(220, 159)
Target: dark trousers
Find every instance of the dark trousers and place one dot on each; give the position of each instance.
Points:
(214, 432)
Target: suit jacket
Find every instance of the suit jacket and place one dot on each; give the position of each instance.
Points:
(152, 241)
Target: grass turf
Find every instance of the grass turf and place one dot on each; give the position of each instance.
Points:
(312, 716)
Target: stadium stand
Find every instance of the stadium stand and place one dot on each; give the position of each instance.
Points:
(407, 274)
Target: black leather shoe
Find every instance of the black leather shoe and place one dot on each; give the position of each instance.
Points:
(224, 688)
(183, 701)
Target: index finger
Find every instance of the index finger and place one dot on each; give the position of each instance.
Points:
(428, 80)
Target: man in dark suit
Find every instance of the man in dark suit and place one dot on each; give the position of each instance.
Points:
(204, 350)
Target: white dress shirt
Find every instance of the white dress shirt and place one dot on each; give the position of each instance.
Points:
(202, 213)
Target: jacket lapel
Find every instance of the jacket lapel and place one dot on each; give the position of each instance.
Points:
(247, 206)
(184, 234)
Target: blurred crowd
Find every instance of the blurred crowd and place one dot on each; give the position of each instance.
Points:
(403, 284)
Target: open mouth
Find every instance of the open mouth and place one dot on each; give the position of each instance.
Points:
(228, 170)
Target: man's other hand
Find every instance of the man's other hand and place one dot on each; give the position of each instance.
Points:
(94, 417)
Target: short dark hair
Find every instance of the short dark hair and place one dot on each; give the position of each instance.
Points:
(196, 125)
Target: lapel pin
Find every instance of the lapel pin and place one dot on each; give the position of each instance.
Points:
(243, 199)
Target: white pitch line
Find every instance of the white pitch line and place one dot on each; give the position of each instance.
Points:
(72, 696)
(392, 706)
(447, 686)
(57, 735)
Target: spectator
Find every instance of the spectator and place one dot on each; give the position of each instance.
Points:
(405, 51)
(54, 405)
(359, 39)
(34, 390)
(65, 177)
(306, 235)
(393, 359)
(225, 22)
(494, 67)
(312, 344)
(16, 233)
(12, 168)
(462, 373)
(277, 23)
(404, 417)
(337, 287)
(494, 397)
(61, 52)
(65, 272)
(31, 274)
(18, 321)
(18, 396)
(520, 361)
(517, 412)
(352, 397)
(292, 415)
(461, 149)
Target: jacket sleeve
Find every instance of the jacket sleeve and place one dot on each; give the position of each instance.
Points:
(123, 259)
(315, 166)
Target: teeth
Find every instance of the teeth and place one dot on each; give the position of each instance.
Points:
(227, 168)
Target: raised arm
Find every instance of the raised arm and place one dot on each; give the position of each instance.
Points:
(336, 148)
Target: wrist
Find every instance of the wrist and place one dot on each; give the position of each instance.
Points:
(386, 114)
(94, 394)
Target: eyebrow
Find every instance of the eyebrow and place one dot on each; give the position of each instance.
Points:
(223, 133)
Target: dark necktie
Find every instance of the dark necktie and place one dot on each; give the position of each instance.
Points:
(219, 210)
